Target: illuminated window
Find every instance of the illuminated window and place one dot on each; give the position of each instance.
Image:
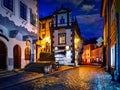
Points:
(62, 38)
(50, 24)
(23, 11)
(8, 4)
(27, 53)
(28, 43)
(32, 18)
(47, 47)
(43, 35)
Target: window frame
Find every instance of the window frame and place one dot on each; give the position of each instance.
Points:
(32, 18)
(43, 25)
(27, 53)
(7, 8)
(60, 36)
(62, 20)
(23, 17)
(43, 36)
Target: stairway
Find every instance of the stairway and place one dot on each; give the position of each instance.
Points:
(6, 73)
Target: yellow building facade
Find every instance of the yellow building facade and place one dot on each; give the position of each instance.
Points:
(44, 42)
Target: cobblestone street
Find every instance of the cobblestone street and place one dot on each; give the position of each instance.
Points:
(79, 78)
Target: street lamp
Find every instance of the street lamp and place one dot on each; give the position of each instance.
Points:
(67, 47)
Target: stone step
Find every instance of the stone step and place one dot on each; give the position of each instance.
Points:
(6, 73)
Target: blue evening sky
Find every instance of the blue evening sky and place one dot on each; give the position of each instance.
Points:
(87, 13)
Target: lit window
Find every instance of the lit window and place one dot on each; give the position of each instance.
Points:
(62, 38)
(32, 18)
(8, 4)
(28, 43)
(43, 35)
(50, 24)
(23, 11)
(27, 53)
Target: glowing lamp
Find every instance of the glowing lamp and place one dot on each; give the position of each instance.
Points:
(56, 48)
(67, 47)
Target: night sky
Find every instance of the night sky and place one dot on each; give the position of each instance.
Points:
(87, 13)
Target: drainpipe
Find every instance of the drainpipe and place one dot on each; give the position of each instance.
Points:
(109, 25)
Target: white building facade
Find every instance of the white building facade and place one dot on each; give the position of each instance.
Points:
(18, 33)
(65, 37)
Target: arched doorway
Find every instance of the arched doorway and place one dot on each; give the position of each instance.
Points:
(3, 55)
(27, 53)
(17, 57)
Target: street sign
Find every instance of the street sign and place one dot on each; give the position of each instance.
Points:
(99, 40)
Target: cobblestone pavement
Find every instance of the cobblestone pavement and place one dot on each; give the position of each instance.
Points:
(11, 79)
(17, 78)
(79, 78)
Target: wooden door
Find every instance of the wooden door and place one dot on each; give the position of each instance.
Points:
(17, 57)
(3, 55)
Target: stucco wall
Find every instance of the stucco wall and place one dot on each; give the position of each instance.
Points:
(10, 45)
(15, 15)
(68, 37)
(11, 21)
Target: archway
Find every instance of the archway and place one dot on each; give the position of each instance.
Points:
(3, 55)
(17, 57)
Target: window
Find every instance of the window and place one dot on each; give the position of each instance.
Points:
(43, 35)
(50, 23)
(113, 16)
(23, 11)
(62, 38)
(8, 4)
(62, 20)
(28, 43)
(32, 18)
(43, 26)
(47, 47)
(27, 53)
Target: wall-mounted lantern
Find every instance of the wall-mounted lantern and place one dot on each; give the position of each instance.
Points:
(67, 47)
(56, 48)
